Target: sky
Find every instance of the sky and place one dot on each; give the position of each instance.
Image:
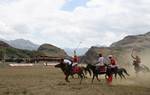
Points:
(66, 23)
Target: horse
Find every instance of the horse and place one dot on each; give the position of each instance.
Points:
(140, 68)
(68, 70)
(107, 72)
(97, 72)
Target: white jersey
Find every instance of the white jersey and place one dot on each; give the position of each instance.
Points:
(66, 61)
(101, 61)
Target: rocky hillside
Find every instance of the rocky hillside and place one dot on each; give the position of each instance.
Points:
(51, 50)
(3, 44)
(44, 50)
(91, 55)
(138, 41)
(121, 49)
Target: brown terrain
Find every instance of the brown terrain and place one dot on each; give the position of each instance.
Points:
(47, 80)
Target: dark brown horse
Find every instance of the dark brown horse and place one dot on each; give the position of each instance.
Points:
(68, 70)
(108, 72)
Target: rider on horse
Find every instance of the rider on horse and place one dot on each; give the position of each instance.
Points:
(113, 68)
(137, 60)
(75, 59)
(138, 66)
(67, 62)
(101, 63)
(71, 63)
(113, 63)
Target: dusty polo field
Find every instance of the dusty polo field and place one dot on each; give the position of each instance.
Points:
(47, 80)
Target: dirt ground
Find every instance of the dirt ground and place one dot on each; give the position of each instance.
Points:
(42, 80)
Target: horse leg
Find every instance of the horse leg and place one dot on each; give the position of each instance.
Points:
(120, 75)
(97, 77)
(115, 75)
(84, 75)
(125, 71)
(93, 78)
(72, 76)
(106, 76)
(81, 78)
(85, 71)
(66, 78)
(123, 75)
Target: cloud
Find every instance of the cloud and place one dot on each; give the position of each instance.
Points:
(98, 22)
(22, 17)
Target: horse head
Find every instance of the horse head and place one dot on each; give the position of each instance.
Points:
(60, 65)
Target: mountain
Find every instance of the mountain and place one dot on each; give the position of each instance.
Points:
(23, 44)
(8, 52)
(51, 50)
(79, 51)
(122, 49)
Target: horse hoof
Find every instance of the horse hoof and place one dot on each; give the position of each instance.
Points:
(68, 81)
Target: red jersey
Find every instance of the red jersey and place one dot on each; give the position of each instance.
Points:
(112, 62)
(75, 59)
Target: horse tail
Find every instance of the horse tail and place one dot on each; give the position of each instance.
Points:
(125, 71)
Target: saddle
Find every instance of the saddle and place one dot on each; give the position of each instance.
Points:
(76, 69)
(102, 69)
